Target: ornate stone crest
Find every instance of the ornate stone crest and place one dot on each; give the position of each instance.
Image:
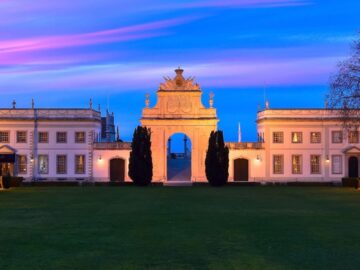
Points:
(179, 82)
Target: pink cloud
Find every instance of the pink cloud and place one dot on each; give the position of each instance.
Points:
(247, 3)
(122, 34)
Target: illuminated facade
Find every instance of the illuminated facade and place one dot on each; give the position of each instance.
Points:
(78, 144)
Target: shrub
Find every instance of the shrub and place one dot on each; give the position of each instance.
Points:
(217, 160)
(6, 181)
(16, 181)
(140, 163)
(350, 182)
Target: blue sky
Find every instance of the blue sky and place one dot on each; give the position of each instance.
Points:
(62, 53)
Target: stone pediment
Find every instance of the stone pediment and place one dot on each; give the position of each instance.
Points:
(179, 98)
(5, 149)
(179, 83)
(352, 150)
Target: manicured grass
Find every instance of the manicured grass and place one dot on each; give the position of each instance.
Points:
(180, 228)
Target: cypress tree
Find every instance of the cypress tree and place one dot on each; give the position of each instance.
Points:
(217, 160)
(140, 163)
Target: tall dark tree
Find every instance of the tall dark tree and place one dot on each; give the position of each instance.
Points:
(140, 163)
(344, 94)
(217, 160)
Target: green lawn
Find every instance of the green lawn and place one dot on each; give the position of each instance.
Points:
(180, 228)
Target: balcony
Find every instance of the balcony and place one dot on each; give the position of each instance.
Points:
(245, 145)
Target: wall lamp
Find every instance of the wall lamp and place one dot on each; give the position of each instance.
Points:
(31, 158)
(258, 158)
(327, 159)
(100, 158)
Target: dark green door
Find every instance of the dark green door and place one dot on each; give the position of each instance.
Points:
(117, 170)
(241, 169)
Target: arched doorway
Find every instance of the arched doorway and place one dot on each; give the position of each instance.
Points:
(241, 169)
(117, 170)
(353, 167)
(179, 158)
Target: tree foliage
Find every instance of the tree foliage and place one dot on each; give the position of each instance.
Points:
(217, 160)
(140, 163)
(344, 94)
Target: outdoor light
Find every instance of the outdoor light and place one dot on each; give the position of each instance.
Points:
(32, 158)
(258, 158)
(100, 158)
(327, 158)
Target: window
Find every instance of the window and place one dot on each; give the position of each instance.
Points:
(315, 167)
(43, 137)
(61, 137)
(336, 137)
(4, 136)
(80, 137)
(22, 164)
(43, 164)
(336, 164)
(296, 137)
(80, 164)
(278, 137)
(21, 136)
(296, 161)
(353, 136)
(278, 164)
(315, 137)
(61, 167)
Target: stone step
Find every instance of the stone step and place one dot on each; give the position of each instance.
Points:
(178, 183)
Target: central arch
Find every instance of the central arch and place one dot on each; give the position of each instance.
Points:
(179, 109)
(179, 158)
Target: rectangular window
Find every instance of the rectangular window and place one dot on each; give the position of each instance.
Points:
(315, 137)
(61, 137)
(336, 136)
(61, 164)
(43, 164)
(4, 136)
(336, 164)
(22, 164)
(80, 164)
(80, 137)
(353, 136)
(21, 136)
(315, 164)
(296, 161)
(278, 164)
(278, 137)
(296, 137)
(43, 137)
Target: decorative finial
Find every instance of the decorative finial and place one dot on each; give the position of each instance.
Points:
(147, 100)
(90, 103)
(267, 105)
(99, 108)
(32, 103)
(326, 104)
(259, 108)
(14, 104)
(211, 100)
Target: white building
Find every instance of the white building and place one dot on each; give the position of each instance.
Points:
(78, 144)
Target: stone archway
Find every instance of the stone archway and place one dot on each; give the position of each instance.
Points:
(179, 110)
(178, 167)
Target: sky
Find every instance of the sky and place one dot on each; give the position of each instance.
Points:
(62, 53)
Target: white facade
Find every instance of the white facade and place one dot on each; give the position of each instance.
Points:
(44, 138)
(307, 145)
